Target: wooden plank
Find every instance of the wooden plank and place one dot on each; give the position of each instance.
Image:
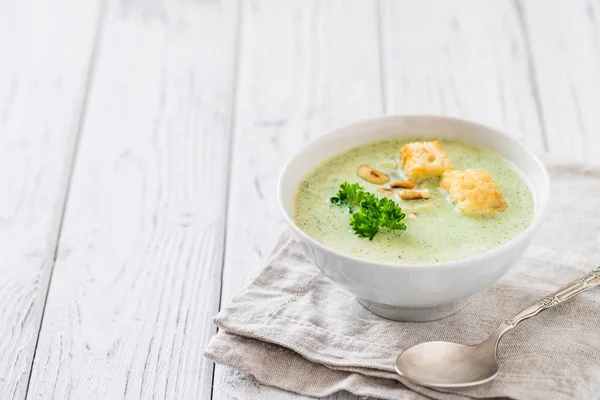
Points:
(305, 67)
(565, 43)
(138, 267)
(461, 58)
(45, 51)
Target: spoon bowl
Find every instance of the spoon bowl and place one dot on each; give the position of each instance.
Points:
(446, 364)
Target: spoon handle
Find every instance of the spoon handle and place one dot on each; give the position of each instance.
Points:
(563, 294)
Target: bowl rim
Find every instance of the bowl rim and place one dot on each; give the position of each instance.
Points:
(476, 258)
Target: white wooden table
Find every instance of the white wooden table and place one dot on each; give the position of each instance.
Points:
(140, 143)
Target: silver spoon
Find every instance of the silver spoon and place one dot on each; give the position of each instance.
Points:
(452, 365)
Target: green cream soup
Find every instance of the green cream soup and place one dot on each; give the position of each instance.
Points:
(440, 232)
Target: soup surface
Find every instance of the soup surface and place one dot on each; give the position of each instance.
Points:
(438, 232)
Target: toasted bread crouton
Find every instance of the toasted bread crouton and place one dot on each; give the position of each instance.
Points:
(424, 159)
(474, 191)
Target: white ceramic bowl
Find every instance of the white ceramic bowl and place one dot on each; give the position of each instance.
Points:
(411, 292)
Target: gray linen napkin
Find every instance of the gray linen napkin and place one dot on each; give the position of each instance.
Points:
(295, 329)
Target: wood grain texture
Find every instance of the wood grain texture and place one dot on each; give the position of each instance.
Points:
(460, 58)
(137, 276)
(45, 54)
(143, 243)
(305, 67)
(565, 44)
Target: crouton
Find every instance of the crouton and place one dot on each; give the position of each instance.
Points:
(473, 191)
(424, 159)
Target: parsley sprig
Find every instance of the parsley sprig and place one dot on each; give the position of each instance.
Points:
(369, 213)
(351, 195)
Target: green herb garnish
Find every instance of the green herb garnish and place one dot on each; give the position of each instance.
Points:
(373, 213)
(350, 194)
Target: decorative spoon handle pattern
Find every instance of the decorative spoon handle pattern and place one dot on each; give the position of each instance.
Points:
(563, 294)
